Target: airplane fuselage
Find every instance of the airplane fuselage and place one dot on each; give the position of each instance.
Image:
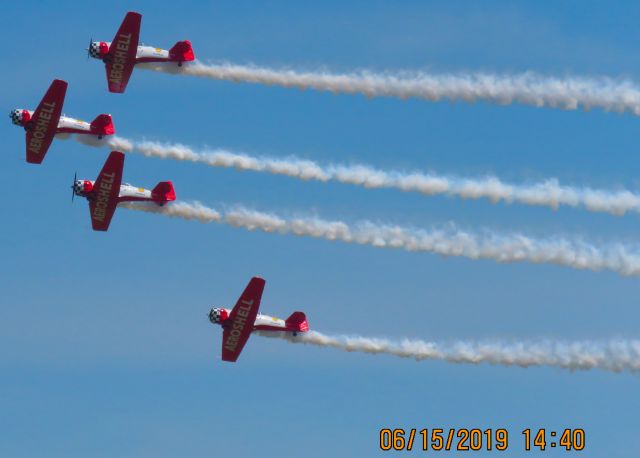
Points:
(220, 316)
(125, 51)
(21, 117)
(149, 54)
(128, 193)
(99, 50)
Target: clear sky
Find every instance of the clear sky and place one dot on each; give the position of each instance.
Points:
(105, 346)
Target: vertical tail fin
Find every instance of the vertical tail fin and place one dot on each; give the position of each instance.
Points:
(103, 125)
(182, 51)
(163, 192)
(297, 320)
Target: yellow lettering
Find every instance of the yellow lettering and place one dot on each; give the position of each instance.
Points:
(102, 200)
(119, 58)
(41, 127)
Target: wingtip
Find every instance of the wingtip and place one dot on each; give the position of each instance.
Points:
(116, 154)
(60, 85)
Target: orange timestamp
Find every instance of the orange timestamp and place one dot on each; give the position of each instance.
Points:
(464, 439)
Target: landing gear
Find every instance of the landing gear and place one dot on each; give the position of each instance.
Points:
(99, 137)
(295, 334)
(179, 64)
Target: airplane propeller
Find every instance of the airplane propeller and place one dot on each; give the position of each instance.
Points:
(89, 47)
(73, 191)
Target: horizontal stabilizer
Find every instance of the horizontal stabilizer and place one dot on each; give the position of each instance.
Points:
(297, 320)
(182, 51)
(163, 192)
(103, 125)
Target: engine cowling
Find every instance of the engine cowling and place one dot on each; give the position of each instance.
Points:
(98, 49)
(82, 187)
(218, 315)
(20, 117)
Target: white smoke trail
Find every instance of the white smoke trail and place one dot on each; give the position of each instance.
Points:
(110, 141)
(614, 355)
(549, 193)
(189, 211)
(568, 93)
(449, 241)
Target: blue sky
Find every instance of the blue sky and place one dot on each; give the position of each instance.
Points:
(105, 348)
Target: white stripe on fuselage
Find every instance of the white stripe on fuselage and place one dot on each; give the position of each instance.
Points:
(126, 190)
(149, 51)
(70, 123)
(266, 320)
(146, 52)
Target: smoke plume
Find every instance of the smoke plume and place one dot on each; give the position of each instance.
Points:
(447, 241)
(568, 93)
(614, 355)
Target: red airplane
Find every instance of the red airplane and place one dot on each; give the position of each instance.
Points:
(239, 323)
(47, 121)
(107, 192)
(121, 54)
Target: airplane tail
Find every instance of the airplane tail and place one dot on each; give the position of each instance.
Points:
(163, 192)
(298, 320)
(103, 125)
(182, 51)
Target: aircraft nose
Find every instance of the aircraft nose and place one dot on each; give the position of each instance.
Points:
(15, 116)
(214, 316)
(94, 49)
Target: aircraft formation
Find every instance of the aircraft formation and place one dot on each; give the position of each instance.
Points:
(104, 194)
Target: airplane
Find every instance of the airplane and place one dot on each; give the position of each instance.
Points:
(108, 191)
(243, 319)
(47, 121)
(121, 54)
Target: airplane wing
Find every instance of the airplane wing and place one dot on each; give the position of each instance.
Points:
(107, 190)
(122, 53)
(42, 126)
(242, 319)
